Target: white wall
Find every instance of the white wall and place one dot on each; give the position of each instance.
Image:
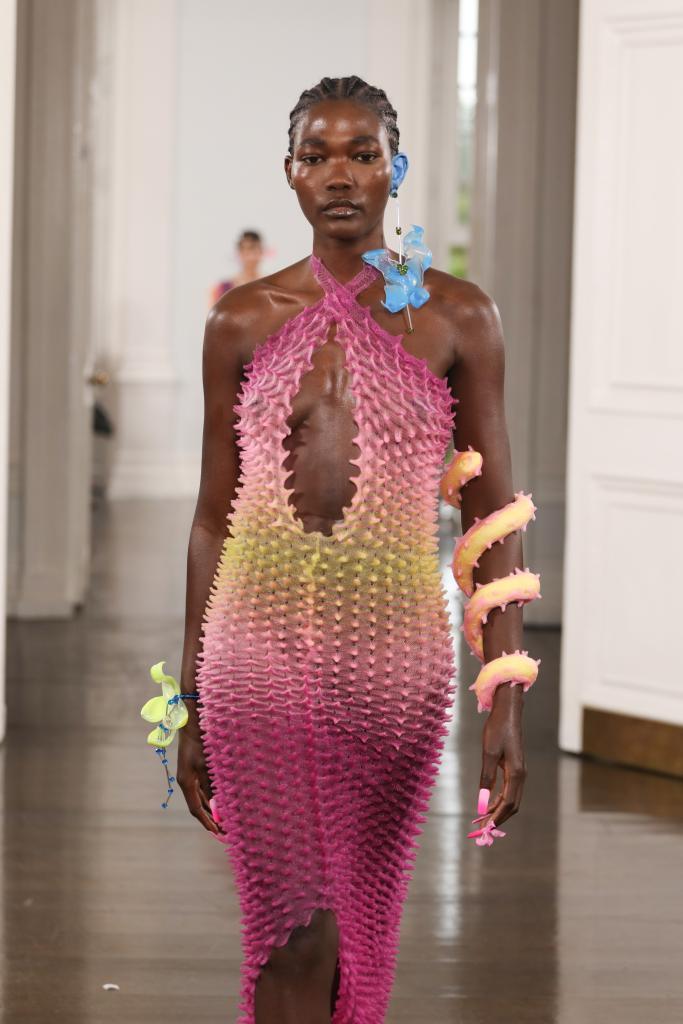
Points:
(236, 86)
(200, 92)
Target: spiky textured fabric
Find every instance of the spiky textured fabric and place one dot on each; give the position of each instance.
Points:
(327, 671)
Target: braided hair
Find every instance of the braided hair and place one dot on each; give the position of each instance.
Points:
(350, 88)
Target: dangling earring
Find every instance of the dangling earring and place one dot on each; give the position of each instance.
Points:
(403, 277)
(402, 267)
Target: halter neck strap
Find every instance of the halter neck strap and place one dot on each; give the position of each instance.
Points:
(329, 283)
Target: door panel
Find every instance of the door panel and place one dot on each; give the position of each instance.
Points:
(624, 547)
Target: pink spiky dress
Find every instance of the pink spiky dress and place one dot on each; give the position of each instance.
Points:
(327, 670)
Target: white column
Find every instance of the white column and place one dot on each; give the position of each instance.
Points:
(522, 245)
(51, 411)
(7, 79)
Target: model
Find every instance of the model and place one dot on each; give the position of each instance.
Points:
(249, 251)
(317, 635)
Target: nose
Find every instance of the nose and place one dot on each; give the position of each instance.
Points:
(340, 177)
(339, 183)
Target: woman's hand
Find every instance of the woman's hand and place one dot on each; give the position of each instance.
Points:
(192, 774)
(503, 746)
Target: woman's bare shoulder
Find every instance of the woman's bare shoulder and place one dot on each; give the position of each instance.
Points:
(464, 299)
(471, 314)
(256, 308)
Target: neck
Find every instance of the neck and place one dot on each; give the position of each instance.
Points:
(343, 257)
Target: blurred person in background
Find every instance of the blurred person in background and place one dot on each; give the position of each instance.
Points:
(250, 252)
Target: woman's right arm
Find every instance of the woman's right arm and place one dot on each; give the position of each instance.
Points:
(222, 368)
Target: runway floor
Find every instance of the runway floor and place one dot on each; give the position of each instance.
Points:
(576, 917)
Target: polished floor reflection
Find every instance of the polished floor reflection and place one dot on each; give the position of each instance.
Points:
(574, 918)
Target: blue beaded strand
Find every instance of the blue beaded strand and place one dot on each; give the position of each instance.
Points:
(161, 751)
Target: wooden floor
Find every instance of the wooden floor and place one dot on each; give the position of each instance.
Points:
(576, 917)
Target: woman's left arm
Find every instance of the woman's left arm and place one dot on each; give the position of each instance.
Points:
(477, 381)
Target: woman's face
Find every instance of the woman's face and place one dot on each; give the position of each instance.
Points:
(341, 154)
(250, 252)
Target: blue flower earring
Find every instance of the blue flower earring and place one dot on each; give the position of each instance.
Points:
(403, 277)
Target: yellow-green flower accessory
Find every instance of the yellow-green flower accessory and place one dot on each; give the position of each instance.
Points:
(169, 711)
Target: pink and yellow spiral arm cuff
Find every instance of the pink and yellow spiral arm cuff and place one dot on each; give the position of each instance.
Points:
(520, 586)
(515, 668)
(464, 466)
(484, 533)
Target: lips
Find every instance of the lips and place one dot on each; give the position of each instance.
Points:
(340, 204)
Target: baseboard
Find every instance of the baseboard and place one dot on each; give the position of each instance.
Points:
(637, 742)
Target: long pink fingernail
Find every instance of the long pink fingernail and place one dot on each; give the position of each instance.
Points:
(477, 832)
(483, 801)
(214, 813)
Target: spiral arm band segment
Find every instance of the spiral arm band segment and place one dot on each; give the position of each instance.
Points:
(520, 586)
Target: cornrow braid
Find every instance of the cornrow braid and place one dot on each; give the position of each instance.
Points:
(350, 88)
